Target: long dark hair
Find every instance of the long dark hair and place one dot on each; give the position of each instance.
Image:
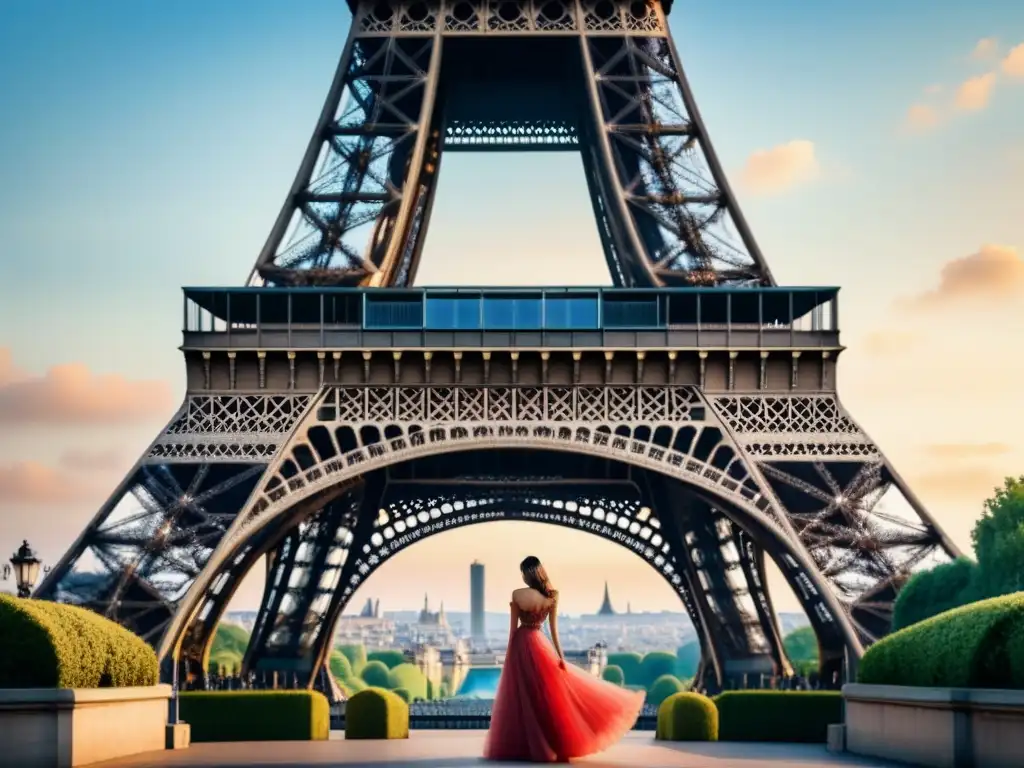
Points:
(536, 577)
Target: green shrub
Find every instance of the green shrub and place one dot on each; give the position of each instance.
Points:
(430, 690)
(375, 674)
(224, 662)
(687, 659)
(629, 663)
(939, 589)
(356, 655)
(403, 694)
(788, 716)
(687, 717)
(662, 688)
(50, 645)
(389, 659)
(339, 665)
(655, 664)
(229, 638)
(613, 674)
(408, 676)
(973, 646)
(376, 714)
(256, 715)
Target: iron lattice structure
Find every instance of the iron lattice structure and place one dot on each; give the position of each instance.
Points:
(599, 78)
(705, 440)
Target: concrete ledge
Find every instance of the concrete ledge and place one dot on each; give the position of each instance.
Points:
(835, 740)
(60, 728)
(178, 736)
(937, 727)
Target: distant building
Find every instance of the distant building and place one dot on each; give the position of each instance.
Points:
(606, 605)
(371, 610)
(477, 623)
(429, 619)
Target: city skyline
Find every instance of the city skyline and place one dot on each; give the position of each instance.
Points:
(909, 207)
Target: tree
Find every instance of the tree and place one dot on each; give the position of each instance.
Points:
(801, 645)
(688, 659)
(629, 663)
(613, 674)
(375, 674)
(409, 677)
(998, 539)
(662, 688)
(390, 659)
(655, 664)
(356, 655)
(931, 592)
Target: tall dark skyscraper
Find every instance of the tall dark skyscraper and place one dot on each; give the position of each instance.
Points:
(476, 604)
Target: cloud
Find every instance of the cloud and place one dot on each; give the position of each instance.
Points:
(886, 343)
(966, 484)
(967, 450)
(32, 483)
(974, 94)
(1013, 64)
(72, 394)
(994, 273)
(770, 171)
(921, 117)
(934, 89)
(985, 49)
(108, 461)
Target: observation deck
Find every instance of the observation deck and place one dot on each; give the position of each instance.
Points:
(491, 335)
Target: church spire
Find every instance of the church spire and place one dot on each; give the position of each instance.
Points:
(606, 606)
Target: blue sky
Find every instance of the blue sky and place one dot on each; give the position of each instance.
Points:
(146, 146)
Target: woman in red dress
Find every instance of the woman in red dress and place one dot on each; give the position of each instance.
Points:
(544, 710)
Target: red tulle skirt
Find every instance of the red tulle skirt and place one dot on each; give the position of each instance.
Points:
(545, 714)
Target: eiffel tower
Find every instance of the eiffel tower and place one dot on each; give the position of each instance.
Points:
(336, 414)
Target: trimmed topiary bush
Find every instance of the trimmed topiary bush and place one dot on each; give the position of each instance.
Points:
(974, 646)
(403, 694)
(356, 655)
(655, 664)
(340, 666)
(662, 688)
(375, 674)
(51, 645)
(613, 674)
(410, 677)
(629, 663)
(687, 659)
(376, 714)
(687, 717)
(389, 659)
(256, 715)
(786, 716)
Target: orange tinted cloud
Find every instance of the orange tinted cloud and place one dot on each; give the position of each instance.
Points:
(921, 117)
(112, 460)
(885, 343)
(967, 450)
(985, 49)
(72, 394)
(770, 171)
(1013, 64)
(968, 484)
(994, 273)
(31, 483)
(974, 94)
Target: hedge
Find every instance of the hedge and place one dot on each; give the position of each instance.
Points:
(980, 645)
(787, 716)
(410, 677)
(375, 674)
(376, 714)
(389, 659)
(52, 645)
(256, 715)
(613, 674)
(403, 694)
(629, 663)
(664, 687)
(687, 717)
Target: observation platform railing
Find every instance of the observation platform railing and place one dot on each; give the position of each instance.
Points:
(495, 318)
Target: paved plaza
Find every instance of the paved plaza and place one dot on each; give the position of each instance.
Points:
(454, 749)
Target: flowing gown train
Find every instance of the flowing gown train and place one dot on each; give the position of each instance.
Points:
(543, 713)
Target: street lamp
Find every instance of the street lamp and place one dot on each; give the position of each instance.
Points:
(26, 569)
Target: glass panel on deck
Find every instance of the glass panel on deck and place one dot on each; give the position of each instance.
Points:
(576, 312)
(506, 313)
(453, 314)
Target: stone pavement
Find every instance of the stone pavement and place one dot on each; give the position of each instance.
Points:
(456, 749)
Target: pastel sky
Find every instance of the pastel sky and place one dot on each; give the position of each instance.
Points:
(145, 146)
